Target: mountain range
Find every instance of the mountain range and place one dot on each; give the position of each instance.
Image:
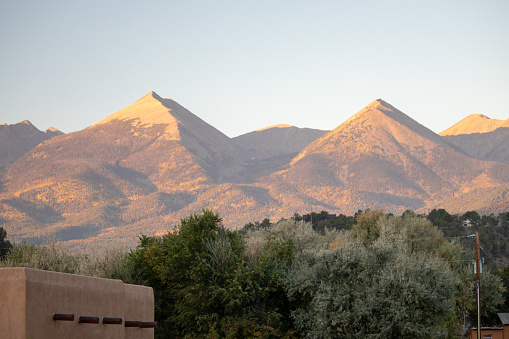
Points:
(146, 166)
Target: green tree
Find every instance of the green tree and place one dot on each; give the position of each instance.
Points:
(417, 236)
(503, 274)
(440, 217)
(473, 216)
(504, 219)
(202, 284)
(490, 220)
(383, 254)
(297, 217)
(5, 244)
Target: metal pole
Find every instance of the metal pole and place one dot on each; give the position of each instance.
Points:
(478, 278)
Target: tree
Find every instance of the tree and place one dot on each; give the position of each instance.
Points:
(376, 292)
(366, 227)
(384, 266)
(473, 216)
(178, 266)
(296, 217)
(5, 244)
(390, 278)
(202, 284)
(503, 273)
(440, 217)
(490, 220)
(504, 219)
(415, 236)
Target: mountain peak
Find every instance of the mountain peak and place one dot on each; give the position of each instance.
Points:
(379, 125)
(147, 111)
(26, 122)
(17, 139)
(382, 105)
(151, 95)
(374, 108)
(475, 123)
(274, 126)
(379, 110)
(378, 101)
(52, 131)
(22, 124)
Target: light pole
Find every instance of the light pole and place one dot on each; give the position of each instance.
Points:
(478, 280)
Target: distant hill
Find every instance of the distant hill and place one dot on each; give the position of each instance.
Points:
(277, 140)
(475, 123)
(17, 139)
(481, 137)
(272, 148)
(146, 166)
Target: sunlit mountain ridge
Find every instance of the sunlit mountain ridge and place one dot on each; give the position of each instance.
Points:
(146, 166)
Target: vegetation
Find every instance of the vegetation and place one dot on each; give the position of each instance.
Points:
(371, 275)
(355, 291)
(5, 244)
(111, 263)
(203, 285)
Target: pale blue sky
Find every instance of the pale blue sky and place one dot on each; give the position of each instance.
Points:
(244, 65)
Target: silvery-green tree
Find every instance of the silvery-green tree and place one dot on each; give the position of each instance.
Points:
(390, 276)
(376, 292)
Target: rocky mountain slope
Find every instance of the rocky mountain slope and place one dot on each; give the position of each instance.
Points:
(144, 167)
(17, 139)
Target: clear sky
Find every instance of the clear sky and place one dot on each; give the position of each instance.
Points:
(243, 65)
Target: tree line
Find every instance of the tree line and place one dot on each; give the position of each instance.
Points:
(319, 275)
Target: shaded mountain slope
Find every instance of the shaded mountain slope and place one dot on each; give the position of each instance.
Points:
(481, 137)
(277, 140)
(17, 139)
(491, 146)
(271, 148)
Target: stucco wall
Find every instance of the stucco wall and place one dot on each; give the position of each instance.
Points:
(29, 298)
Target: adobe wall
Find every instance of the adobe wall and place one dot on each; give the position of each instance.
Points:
(13, 303)
(30, 298)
